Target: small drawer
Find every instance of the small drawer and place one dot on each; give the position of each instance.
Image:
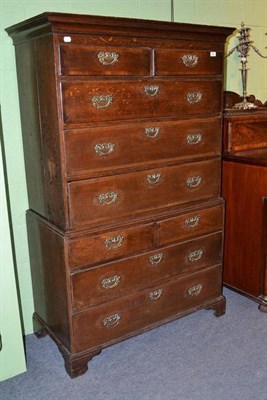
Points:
(111, 281)
(188, 62)
(191, 224)
(110, 100)
(105, 324)
(96, 150)
(89, 60)
(107, 246)
(111, 198)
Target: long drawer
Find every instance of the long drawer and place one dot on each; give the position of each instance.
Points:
(111, 281)
(106, 323)
(92, 150)
(88, 249)
(111, 198)
(91, 101)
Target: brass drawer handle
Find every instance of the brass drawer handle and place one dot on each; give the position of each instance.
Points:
(153, 178)
(195, 290)
(190, 60)
(107, 57)
(102, 101)
(155, 295)
(193, 97)
(191, 222)
(107, 199)
(194, 181)
(111, 321)
(195, 255)
(103, 149)
(111, 282)
(114, 243)
(151, 90)
(194, 138)
(152, 132)
(156, 259)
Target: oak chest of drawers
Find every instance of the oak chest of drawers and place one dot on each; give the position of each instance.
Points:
(122, 137)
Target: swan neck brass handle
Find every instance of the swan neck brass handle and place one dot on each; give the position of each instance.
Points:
(153, 178)
(190, 60)
(106, 199)
(108, 57)
(193, 181)
(114, 242)
(111, 321)
(195, 290)
(195, 255)
(152, 132)
(102, 101)
(103, 149)
(111, 282)
(194, 97)
(156, 259)
(194, 138)
(155, 295)
(191, 222)
(151, 90)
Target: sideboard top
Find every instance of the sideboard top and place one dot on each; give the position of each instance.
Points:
(81, 24)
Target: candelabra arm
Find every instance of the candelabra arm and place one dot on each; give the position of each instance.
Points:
(231, 51)
(258, 51)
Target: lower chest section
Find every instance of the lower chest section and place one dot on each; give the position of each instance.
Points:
(126, 281)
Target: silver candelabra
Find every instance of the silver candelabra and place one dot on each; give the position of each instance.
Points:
(243, 47)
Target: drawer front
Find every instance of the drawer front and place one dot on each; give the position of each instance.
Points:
(192, 62)
(191, 224)
(91, 101)
(97, 149)
(104, 324)
(109, 245)
(115, 197)
(245, 135)
(118, 279)
(87, 60)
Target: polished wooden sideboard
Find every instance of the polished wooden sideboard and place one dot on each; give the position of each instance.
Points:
(122, 136)
(244, 187)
